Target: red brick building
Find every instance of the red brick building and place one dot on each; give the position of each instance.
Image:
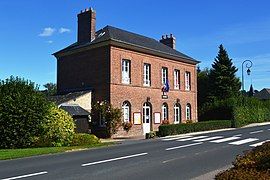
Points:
(148, 79)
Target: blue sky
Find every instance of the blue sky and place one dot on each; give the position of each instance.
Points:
(32, 30)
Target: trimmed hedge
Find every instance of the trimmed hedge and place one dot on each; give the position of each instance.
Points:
(173, 129)
(82, 139)
(254, 164)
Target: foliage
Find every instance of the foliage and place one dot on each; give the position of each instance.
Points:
(224, 83)
(82, 139)
(104, 112)
(51, 89)
(251, 91)
(203, 86)
(164, 122)
(151, 135)
(58, 129)
(254, 164)
(23, 111)
(173, 129)
(127, 126)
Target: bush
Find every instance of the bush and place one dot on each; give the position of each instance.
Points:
(82, 139)
(151, 135)
(23, 110)
(254, 164)
(173, 129)
(58, 128)
(127, 126)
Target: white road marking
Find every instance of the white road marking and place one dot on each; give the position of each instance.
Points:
(268, 129)
(114, 159)
(244, 141)
(238, 135)
(192, 138)
(225, 139)
(259, 144)
(208, 139)
(255, 132)
(188, 145)
(175, 138)
(25, 176)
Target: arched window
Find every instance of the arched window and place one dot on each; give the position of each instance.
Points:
(177, 113)
(126, 109)
(188, 112)
(165, 111)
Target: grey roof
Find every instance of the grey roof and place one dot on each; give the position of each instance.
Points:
(263, 94)
(122, 36)
(59, 99)
(75, 110)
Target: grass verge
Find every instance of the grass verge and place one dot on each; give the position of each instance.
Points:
(6, 154)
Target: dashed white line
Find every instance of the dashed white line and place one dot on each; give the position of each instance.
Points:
(208, 139)
(225, 139)
(244, 141)
(183, 146)
(25, 176)
(238, 135)
(114, 159)
(192, 138)
(176, 138)
(258, 144)
(255, 132)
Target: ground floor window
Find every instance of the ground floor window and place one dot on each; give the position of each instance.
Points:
(126, 111)
(188, 112)
(164, 111)
(177, 113)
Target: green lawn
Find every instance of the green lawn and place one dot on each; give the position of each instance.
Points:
(20, 153)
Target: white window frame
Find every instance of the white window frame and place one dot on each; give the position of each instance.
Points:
(188, 112)
(187, 81)
(125, 71)
(177, 113)
(126, 112)
(164, 75)
(165, 111)
(176, 79)
(146, 74)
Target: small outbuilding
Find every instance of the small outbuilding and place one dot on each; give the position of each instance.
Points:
(264, 94)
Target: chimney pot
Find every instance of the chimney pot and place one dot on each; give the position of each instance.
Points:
(168, 41)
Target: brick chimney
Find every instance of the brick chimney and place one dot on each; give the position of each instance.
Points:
(86, 25)
(168, 41)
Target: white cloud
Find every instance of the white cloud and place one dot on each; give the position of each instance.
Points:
(64, 30)
(47, 32)
(49, 42)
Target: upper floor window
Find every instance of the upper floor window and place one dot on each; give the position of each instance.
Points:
(187, 81)
(146, 74)
(126, 71)
(176, 79)
(164, 75)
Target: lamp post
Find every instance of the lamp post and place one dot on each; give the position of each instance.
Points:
(248, 64)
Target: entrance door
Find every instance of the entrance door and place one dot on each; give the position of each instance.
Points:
(146, 118)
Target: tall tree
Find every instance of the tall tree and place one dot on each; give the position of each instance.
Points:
(51, 89)
(203, 86)
(251, 91)
(224, 83)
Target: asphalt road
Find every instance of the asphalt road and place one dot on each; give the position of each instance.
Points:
(197, 156)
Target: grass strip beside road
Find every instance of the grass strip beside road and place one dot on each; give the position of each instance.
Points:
(6, 154)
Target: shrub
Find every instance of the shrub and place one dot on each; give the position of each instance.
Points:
(58, 128)
(82, 139)
(173, 129)
(254, 164)
(23, 110)
(110, 116)
(151, 135)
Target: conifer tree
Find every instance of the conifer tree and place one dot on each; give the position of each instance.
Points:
(224, 83)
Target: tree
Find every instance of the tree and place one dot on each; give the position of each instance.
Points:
(251, 91)
(203, 86)
(23, 111)
(51, 89)
(224, 83)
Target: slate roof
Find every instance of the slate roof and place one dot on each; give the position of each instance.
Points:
(263, 94)
(59, 99)
(75, 110)
(122, 36)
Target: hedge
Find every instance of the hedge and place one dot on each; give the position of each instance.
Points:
(173, 129)
(82, 139)
(254, 164)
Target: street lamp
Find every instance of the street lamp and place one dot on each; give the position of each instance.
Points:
(248, 66)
